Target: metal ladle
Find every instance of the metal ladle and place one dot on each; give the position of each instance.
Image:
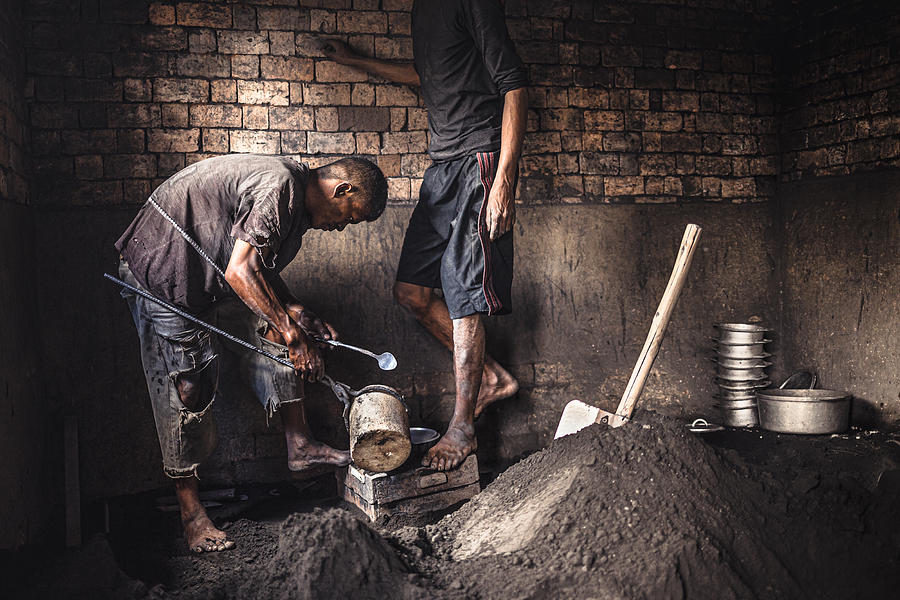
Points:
(386, 360)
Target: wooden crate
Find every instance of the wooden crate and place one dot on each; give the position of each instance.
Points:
(411, 492)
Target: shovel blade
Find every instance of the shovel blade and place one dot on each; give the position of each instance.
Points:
(577, 415)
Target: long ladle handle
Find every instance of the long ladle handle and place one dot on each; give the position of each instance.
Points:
(194, 319)
(349, 347)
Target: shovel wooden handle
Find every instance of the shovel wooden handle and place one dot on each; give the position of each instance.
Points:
(660, 321)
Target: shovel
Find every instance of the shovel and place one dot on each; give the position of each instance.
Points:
(577, 415)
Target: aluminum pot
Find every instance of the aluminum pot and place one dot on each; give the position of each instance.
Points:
(740, 333)
(741, 351)
(744, 386)
(733, 395)
(737, 363)
(748, 374)
(422, 440)
(804, 411)
(379, 429)
(744, 403)
(739, 417)
(801, 380)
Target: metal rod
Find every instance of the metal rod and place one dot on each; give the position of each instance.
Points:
(194, 319)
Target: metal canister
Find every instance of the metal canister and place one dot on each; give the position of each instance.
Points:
(379, 429)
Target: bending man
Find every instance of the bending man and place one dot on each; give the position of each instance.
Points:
(245, 214)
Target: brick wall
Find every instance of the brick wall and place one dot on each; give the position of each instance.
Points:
(631, 101)
(25, 496)
(841, 109)
(13, 114)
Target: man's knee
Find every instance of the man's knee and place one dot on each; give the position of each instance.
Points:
(414, 298)
(196, 388)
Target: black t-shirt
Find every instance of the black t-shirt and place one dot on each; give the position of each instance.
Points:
(466, 63)
(255, 198)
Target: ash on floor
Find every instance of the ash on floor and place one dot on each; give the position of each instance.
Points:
(644, 511)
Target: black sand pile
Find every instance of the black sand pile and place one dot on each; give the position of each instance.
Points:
(330, 554)
(648, 510)
(651, 511)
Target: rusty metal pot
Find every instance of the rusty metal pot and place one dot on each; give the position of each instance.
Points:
(377, 421)
(379, 429)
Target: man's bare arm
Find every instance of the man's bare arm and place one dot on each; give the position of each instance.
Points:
(392, 71)
(501, 209)
(310, 323)
(245, 275)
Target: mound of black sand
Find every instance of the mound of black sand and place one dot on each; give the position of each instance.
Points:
(330, 554)
(648, 510)
(651, 511)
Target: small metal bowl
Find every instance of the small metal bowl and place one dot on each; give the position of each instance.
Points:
(746, 386)
(801, 380)
(741, 351)
(740, 333)
(744, 403)
(421, 440)
(721, 342)
(735, 395)
(749, 374)
(737, 363)
(740, 417)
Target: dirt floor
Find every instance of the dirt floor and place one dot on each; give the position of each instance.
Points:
(649, 510)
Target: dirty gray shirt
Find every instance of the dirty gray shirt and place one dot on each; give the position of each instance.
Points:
(255, 198)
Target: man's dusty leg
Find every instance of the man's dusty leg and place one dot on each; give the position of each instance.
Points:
(195, 391)
(199, 531)
(468, 364)
(304, 451)
(431, 311)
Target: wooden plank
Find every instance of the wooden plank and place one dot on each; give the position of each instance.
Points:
(409, 506)
(72, 483)
(379, 488)
(429, 502)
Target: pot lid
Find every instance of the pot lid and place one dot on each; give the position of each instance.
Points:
(703, 426)
(741, 327)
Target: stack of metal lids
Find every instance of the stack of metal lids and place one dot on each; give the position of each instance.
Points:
(740, 371)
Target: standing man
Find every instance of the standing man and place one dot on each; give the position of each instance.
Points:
(248, 214)
(460, 235)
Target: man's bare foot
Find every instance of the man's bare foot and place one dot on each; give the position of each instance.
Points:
(496, 384)
(312, 454)
(202, 535)
(452, 449)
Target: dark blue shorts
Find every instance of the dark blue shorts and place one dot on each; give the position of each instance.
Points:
(447, 245)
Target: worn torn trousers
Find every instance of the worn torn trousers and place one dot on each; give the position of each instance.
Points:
(171, 346)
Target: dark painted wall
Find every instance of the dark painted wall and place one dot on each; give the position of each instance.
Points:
(588, 281)
(24, 474)
(841, 288)
(661, 105)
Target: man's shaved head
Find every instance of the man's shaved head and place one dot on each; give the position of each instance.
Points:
(367, 179)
